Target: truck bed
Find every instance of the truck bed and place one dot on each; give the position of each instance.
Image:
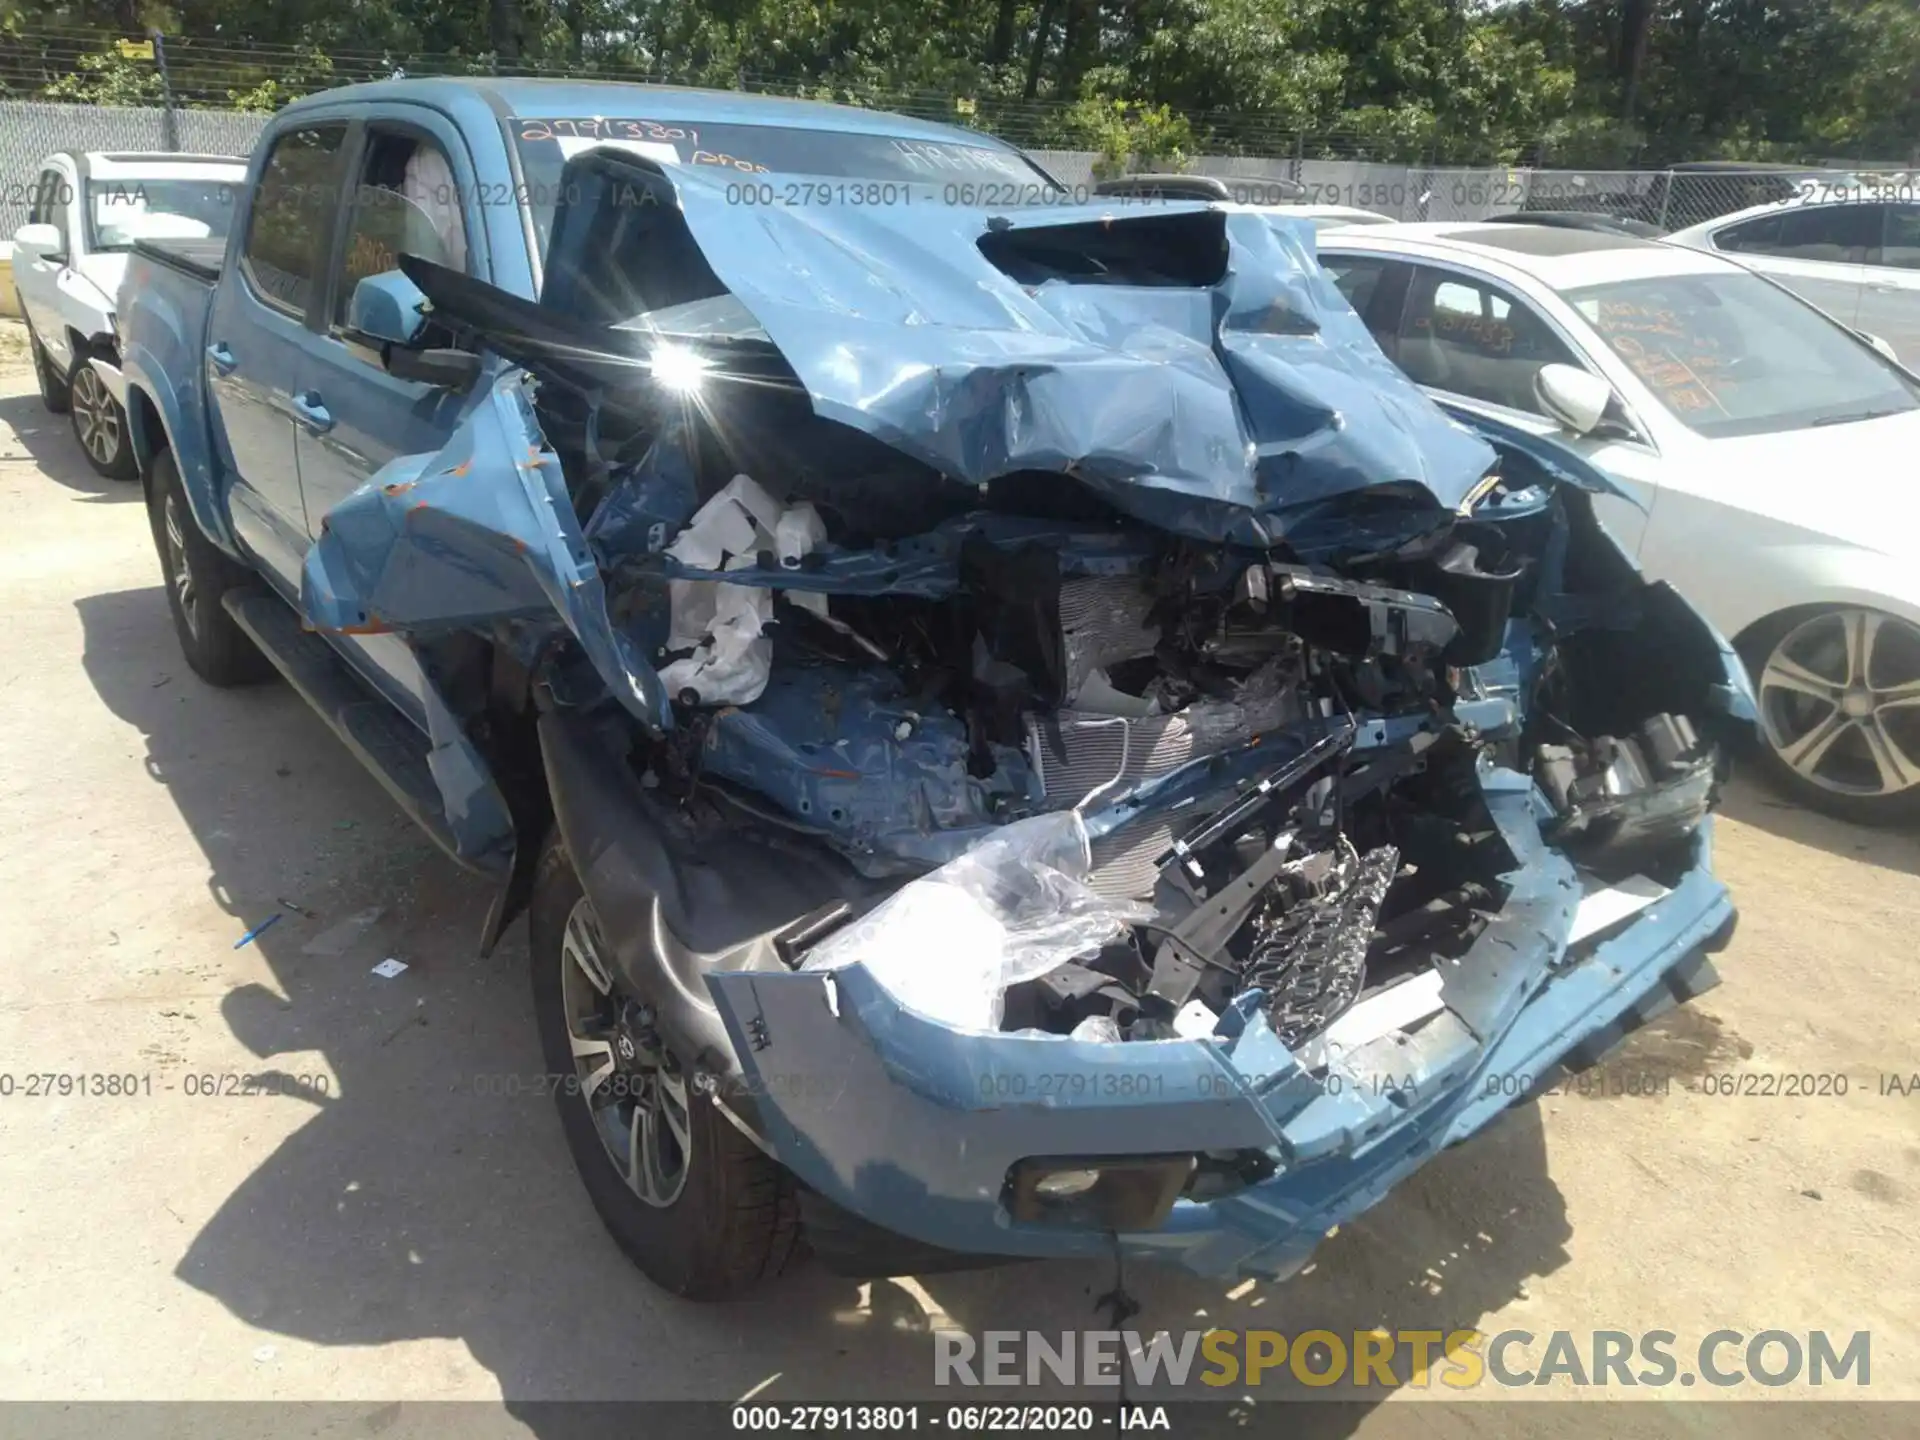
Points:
(198, 258)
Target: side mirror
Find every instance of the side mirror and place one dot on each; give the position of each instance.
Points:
(1573, 397)
(1881, 345)
(40, 241)
(387, 309)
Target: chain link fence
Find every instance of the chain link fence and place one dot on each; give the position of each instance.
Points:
(1665, 199)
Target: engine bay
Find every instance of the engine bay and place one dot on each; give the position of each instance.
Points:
(1274, 760)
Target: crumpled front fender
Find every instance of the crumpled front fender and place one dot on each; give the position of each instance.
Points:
(482, 531)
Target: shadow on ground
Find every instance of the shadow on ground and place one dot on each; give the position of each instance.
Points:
(1749, 800)
(430, 1194)
(48, 440)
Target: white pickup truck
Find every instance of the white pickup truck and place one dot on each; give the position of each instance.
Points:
(69, 259)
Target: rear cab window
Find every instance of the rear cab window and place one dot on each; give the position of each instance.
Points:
(291, 222)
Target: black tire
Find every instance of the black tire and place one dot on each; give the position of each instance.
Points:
(99, 424)
(219, 651)
(53, 389)
(734, 1224)
(1756, 647)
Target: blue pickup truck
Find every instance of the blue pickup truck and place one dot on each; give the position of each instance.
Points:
(1016, 730)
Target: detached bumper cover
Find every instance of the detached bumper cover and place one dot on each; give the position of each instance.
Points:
(915, 1127)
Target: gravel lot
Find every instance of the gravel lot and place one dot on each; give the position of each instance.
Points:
(406, 1234)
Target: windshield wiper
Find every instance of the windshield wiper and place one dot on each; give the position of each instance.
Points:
(1850, 419)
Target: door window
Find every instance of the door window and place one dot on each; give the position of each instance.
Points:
(405, 202)
(50, 199)
(1837, 234)
(1468, 336)
(1355, 277)
(1901, 246)
(293, 213)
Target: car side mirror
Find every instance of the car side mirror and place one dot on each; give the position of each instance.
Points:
(1881, 345)
(41, 241)
(1573, 397)
(387, 309)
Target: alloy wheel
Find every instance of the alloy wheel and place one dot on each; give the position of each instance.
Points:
(1840, 702)
(179, 571)
(96, 419)
(629, 1083)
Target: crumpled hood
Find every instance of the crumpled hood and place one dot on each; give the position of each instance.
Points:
(1194, 367)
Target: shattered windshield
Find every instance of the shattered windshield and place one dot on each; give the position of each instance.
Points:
(750, 151)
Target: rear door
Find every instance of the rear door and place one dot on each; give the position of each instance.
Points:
(1890, 302)
(412, 189)
(1817, 251)
(257, 334)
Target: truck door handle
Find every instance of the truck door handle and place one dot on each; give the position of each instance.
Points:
(311, 412)
(221, 357)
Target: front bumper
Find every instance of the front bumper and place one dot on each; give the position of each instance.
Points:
(915, 1127)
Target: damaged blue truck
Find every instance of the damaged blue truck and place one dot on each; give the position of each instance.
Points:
(1016, 730)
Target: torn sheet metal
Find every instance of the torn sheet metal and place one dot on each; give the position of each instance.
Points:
(1194, 368)
(482, 531)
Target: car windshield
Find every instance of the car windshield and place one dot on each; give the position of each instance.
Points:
(772, 150)
(1734, 354)
(126, 209)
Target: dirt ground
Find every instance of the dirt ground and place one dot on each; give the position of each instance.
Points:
(387, 1226)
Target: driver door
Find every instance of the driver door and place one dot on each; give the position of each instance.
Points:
(410, 191)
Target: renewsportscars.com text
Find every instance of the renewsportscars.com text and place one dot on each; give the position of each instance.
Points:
(1367, 1359)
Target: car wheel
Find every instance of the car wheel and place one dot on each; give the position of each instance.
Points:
(99, 424)
(53, 390)
(1839, 693)
(689, 1199)
(196, 576)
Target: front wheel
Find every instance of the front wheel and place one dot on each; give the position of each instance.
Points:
(99, 424)
(1839, 692)
(693, 1203)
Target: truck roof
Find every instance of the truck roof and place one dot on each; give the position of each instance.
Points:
(517, 96)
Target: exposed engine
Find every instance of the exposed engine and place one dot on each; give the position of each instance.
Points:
(1275, 761)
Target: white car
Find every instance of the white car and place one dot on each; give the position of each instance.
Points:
(1772, 451)
(68, 260)
(1853, 251)
(1325, 217)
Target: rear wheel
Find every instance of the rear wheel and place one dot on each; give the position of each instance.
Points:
(690, 1199)
(197, 575)
(1839, 692)
(99, 424)
(53, 390)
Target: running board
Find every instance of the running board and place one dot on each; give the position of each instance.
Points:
(377, 735)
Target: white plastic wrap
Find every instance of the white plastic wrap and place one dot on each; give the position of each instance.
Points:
(1010, 909)
(722, 624)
